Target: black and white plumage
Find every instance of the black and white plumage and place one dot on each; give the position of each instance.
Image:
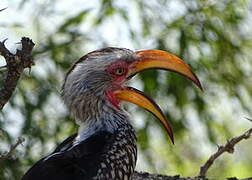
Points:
(102, 156)
(105, 146)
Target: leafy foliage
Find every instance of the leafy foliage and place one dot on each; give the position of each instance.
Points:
(214, 37)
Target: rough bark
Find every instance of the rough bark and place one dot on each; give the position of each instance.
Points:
(148, 176)
(15, 64)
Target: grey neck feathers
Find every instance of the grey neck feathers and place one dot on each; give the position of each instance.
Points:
(84, 93)
(92, 113)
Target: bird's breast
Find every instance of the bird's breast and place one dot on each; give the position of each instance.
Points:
(119, 158)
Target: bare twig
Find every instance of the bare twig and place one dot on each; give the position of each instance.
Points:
(3, 9)
(8, 155)
(2, 67)
(228, 147)
(16, 63)
(249, 119)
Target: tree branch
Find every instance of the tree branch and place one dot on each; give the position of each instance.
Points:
(16, 63)
(148, 176)
(228, 147)
(8, 155)
(3, 9)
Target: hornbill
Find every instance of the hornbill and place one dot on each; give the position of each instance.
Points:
(105, 145)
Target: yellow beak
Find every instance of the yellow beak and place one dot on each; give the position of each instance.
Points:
(157, 59)
(154, 59)
(135, 96)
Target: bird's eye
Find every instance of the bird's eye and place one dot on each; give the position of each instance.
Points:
(119, 71)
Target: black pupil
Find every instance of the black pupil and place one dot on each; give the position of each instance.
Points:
(119, 71)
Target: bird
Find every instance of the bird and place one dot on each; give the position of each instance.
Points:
(105, 145)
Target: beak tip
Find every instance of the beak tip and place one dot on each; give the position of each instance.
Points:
(170, 133)
(199, 85)
(196, 81)
(172, 139)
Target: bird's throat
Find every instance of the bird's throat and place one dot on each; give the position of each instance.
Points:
(108, 122)
(112, 98)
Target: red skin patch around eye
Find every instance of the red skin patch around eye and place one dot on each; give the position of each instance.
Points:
(117, 81)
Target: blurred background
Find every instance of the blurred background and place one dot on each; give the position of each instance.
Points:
(214, 37)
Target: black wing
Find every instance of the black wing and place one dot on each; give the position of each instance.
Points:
(70, 161)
